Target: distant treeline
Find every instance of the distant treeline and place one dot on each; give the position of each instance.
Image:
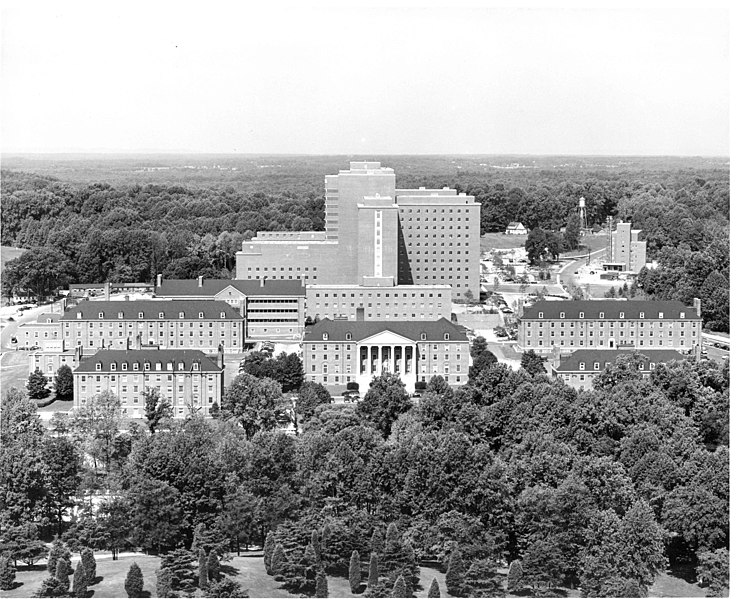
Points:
(191, 220)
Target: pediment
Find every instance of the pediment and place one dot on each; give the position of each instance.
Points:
(229, 292)
(386, 338)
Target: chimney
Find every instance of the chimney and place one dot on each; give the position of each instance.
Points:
(263, 281)
(126, 297)
(138, 341)
(555, 358)
(697, 305)
(159, 278)
(221, 356)
(359, 314)
(199, 281)
(107, 292)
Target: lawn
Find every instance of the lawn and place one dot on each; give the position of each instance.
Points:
(248, 571)
(500, 241)
(9, 253)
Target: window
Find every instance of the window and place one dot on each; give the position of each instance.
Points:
(135, 365)
(582, 365)
(596, 366)
(540, 315)
(124, 365)
(423, 336)
(161, 315)
(100, 315)
(140, 315)
(195, 366)
(113, 366)
(181, 315)
(621, 314)
(660, 315)
(348, 336)
(222, 315)
(580, 314)
(324, 336)
(120, 315)
(201, 315)
(601, 314)
(98, 366)
(446, 336)
(147, 365)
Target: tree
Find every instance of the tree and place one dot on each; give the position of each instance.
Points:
(39, 272)
(134, 581)
(354, 572)
(434, 591)
(52, 587)
(713, 571)
(536, 245)
(315, 540)
(213, 566)
(321, 585)
(373, 572)
(310, 396)
(454, 581)
(515, 576)
(268, 551)
(203, 571)
(278, 560)
(64, 382)
(481, 580)
(252, 402)
(478, 345)
(481, 362)
(63, 568)
(179, 565)
(90, 565)
(36, 385)
(58, 551)
(573, 232)
(156, 408)
(532, 363)
(385, 400)
(400, 588)
(62, 468)
(79, 582)
(7, 573)
(469, 297)
(97, 423)
(164, 583)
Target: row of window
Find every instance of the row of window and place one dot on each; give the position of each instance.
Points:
(121, 315)
(146, 366)
(601, 315)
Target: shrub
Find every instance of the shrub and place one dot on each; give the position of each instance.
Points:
(58, 550)
(354, 572)
(454, 574)
(278, 560)
(51, 587)
(321, 585)
(400, 588)
(62, 573)
(420, 386)
(434, 591)
(79, 582)
(514, 578)
(203, 571)
(227, 587)
(352, 386)
(164, 583)
(373, 573)
(90, 565)
(268, 550)
(134, 581)
(213, 566)
(7, 573)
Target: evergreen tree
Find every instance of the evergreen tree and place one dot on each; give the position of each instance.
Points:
(227, 587)
(164, 583)
(400, 589)
(482, 580)
(410, 569)
(268, 550)
(203, 570)
(79, 582)
(51, 587)
(278, 560)
(377, 542)
(90, 565)
(7, 573)
(62, 573)
(354, 572)
(213, 566)
(36, 385)
(315, 539)
(393, 553)
(134, 581)
(434, 591)
(514, 578)
(179, 564)
(373, 573)
(454, 574)
(321, 585)
(58, 550)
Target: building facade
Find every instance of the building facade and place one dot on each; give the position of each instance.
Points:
(191, 381)
(376, 235)
(204, 325)
(515, 228)
(272, 309)
(400, 302)
(627, 252)
(33, 334)
(568, 326)
(580, 368)
(52, 355)
(339, 352)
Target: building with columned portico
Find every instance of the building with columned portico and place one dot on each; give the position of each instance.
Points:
(339, 352)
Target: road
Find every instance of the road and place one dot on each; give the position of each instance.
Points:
(566, 276)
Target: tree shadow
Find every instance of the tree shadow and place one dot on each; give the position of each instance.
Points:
(16, 585)
(33, 568)
(145, 594)
(228, 570)
(97, 580)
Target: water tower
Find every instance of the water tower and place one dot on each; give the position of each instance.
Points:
(582, 220)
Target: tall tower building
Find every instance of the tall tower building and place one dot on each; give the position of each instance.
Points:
(376, 236)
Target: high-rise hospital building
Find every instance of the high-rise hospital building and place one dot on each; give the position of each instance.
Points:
(375, 236)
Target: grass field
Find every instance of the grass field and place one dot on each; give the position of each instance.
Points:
(248, 571)
(500, 241)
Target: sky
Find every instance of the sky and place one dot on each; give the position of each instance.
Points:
(413, 78)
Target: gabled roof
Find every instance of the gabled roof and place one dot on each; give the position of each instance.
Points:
(515, 225)
(589, 356)
(551, 310)
(211, 287)
(106, 357)
(151, 309)
(360, 330)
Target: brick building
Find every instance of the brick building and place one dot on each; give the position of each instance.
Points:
(610, 324)
(579, 369)
(400, 302)
(273, 309)
(627, 251)
(376, 235)
(188, 324)
(338, 352)
(190, 380)
(34, 334)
